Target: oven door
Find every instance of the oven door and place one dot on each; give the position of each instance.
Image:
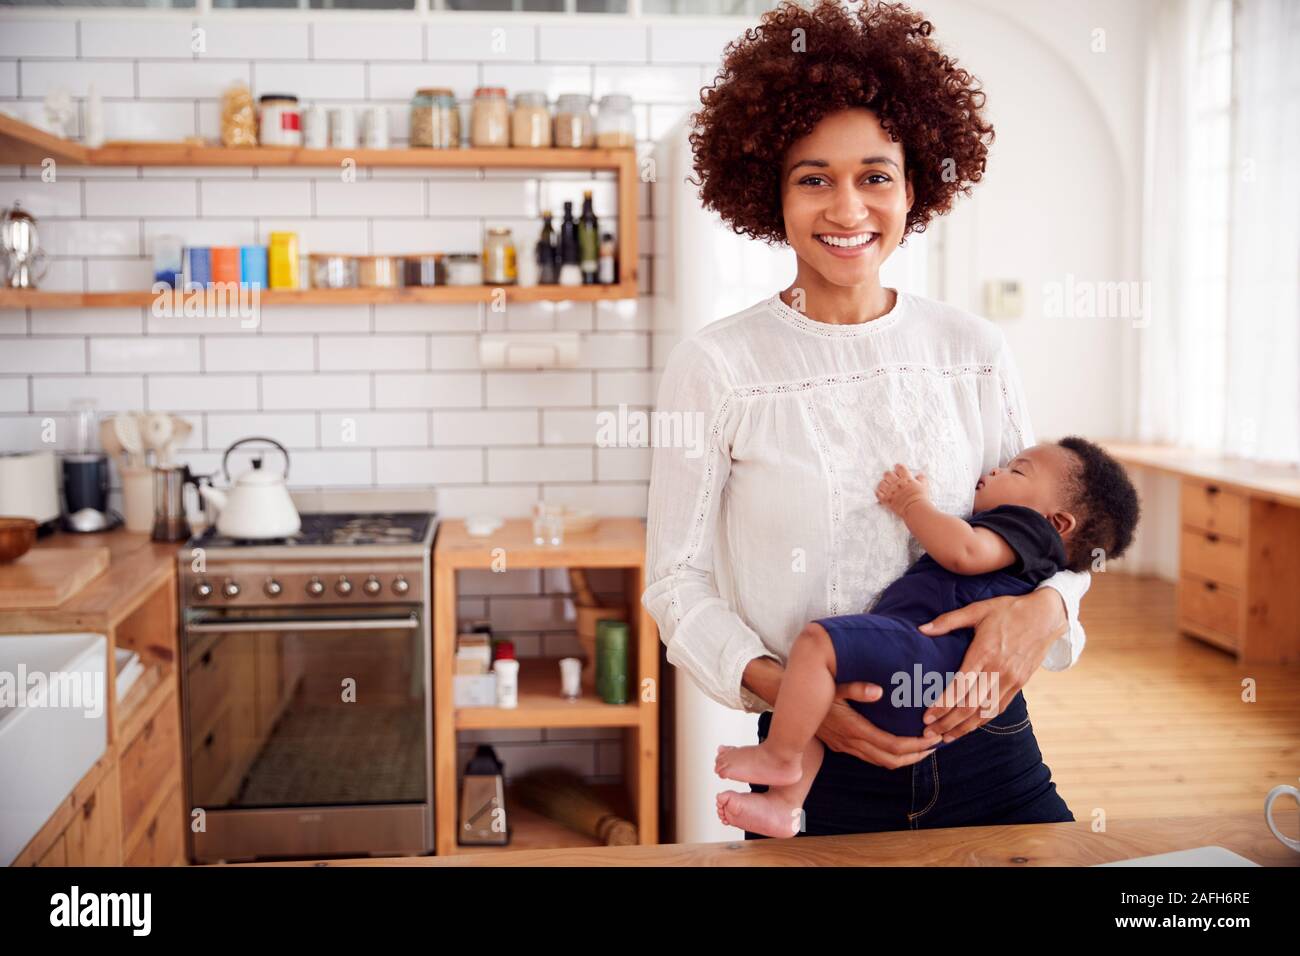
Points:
(306, 709)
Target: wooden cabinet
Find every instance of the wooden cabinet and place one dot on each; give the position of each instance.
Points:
(94, 837)
(162, 842)
(148, 762)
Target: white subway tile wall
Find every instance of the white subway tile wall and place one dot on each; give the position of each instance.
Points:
(363, 396)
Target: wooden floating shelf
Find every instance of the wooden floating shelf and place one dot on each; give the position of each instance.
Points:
(540, 705)
(23, 143)
(37, 299)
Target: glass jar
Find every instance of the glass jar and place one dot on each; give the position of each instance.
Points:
(379, 272)
(573, 121)
(615, 124)
(499, 266)
(332, 271)
(464, 268)
(424, 269)
(490, 118)
(435, 118)
(530, 123)
(279, 122)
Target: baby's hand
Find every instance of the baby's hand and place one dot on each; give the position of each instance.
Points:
(900, 488)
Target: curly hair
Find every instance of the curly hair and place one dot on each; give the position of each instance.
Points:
(1105, 501)
(775, 85)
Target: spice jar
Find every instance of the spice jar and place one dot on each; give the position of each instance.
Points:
(490, 117)
(332, 271)
(615, 124)
(499, 257)
(463, 268)
(279, 123)
(530, 123)
(435, 118)
(379, 272)
(573, 121)
(425, 269)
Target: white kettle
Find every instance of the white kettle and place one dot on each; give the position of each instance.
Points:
(257, 505)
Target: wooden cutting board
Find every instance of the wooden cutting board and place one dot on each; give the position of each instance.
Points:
(46, 577)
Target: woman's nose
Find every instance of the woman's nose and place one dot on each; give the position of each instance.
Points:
(847, 209)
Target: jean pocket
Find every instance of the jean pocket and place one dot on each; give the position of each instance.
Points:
(1013, 720)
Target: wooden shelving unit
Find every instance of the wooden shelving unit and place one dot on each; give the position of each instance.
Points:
(614, 543)
(22, 143)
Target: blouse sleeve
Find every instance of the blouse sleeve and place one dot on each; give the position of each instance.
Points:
(703, 635)
(1014, 435)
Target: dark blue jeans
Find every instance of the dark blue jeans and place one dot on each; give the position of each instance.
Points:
(992, 775)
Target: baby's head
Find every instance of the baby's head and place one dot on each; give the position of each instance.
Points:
(1081, 490)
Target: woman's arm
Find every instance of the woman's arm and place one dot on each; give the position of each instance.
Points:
(703, 635)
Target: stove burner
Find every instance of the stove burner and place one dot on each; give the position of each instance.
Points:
(327, 528)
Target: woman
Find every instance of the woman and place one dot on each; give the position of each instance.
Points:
(841, 133)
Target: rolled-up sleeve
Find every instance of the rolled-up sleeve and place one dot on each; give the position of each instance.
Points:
(690, 466)
(1015, 434)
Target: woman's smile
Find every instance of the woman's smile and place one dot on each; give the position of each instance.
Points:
(847, 245)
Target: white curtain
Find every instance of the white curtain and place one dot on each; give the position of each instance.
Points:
(1219, 365)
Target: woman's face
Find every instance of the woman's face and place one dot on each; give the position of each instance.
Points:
(845, 197)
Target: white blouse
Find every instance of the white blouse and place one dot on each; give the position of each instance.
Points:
(770, 520)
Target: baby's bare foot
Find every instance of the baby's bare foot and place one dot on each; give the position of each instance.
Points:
(758, 813)
(757, 764)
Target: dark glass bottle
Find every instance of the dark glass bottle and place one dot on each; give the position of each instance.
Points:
(548, 269)
(588, 241)
(570, 270)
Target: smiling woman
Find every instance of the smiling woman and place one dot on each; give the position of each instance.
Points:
(839, 132)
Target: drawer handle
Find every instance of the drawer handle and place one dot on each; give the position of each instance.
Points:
(1211, 586)
(152, 829)
(1211, 489)
(206, 659)
(207, 741)
(1212, 537)
(89, 807)
(148, 729)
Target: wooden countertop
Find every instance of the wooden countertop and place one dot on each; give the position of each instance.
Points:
(613, 543)
(1270, 482)
(1042, 844)
(136, 567)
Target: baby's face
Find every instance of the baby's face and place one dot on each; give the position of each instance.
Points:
(1035, 479)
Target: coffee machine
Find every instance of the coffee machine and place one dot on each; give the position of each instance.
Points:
(85, 474)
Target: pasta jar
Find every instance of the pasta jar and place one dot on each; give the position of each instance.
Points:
(379, 272)
(615, 124)
(279, 122)
(499, 267)
(573, 121)
(530, 123)
(490, 117)
(435, 118)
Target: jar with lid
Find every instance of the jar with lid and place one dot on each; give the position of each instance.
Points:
(279, 122)
(530, 123)
(435, 118)
(490, 117)
(615, 124)
(464, 268)
(424, 269)
(573, 121)
(332, 271)
(499, 266)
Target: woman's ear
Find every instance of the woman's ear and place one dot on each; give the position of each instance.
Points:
(911, 195)
(1064, 523)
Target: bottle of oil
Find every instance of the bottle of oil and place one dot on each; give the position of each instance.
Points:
(588, 241)
(570, 270)
(548, 270)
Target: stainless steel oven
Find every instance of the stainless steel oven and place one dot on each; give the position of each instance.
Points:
(306, 700)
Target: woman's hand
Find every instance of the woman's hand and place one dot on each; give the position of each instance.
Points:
(846, 731)
(1012, 637)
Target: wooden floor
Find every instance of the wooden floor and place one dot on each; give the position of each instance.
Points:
(1150, 722)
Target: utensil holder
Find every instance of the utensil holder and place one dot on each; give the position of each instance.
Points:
(137, 499)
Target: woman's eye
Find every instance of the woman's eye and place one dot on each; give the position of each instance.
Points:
(808, 180)
(875, 178)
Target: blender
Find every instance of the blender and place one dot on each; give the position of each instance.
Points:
(85, 474)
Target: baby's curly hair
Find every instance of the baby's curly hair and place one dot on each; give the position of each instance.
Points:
(769, 93)
(1105, 502)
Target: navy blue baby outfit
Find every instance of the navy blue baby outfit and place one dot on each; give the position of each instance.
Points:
(884, 646)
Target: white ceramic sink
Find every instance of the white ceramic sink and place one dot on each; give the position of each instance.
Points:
(47, 745)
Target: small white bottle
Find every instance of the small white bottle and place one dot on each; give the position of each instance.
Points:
(315, 127)
(507, 673)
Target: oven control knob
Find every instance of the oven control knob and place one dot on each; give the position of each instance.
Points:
(372, 586)
(342, 587)
(203, 590)
(272, 587)
(315, 587)
(401, 585)
(230, 589)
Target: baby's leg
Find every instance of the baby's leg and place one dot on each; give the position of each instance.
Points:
(806, 694)
(779, 811)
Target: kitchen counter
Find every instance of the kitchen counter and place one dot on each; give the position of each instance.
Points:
(136, 567)
(1042, 844)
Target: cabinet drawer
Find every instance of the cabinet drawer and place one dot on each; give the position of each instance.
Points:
(94, 837)
(1205, 605)
(147, 760)
(1214, 558)
(1209, 507)
(164, 836)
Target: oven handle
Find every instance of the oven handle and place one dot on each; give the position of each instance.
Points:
(366, 624)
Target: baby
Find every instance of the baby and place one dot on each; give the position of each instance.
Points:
(1053, 507)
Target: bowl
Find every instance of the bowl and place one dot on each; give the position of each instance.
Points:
(17, 535)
